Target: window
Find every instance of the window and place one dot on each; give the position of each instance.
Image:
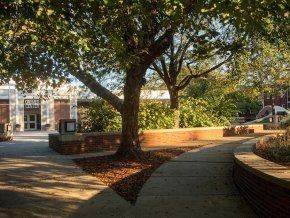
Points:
(4, 111)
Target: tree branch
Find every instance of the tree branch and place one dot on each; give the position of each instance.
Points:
(167, 78)
(95, 87)
(183, 83)
(157, 48)
(180, 62)
(158, 70)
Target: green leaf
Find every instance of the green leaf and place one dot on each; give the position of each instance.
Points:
(49, 12)
(34, 37)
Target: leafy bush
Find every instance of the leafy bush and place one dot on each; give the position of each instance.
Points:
(193, 113)
(205, 112)
(155, 115)
(277, 149)
(285, 122)
(102, 117)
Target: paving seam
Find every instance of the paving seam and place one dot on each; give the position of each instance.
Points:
(49, 178)
(196, 195)
(187, 176)
(190, 161)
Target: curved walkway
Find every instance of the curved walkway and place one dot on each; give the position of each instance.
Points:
(195, 184)
(37, 182)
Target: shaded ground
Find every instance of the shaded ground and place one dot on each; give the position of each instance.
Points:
(127, 176)
(37, 182)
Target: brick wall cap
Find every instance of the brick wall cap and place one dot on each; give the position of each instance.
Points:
(198, 128)
(165, 130)
(181, 129)
(265, 169)
(99, 133)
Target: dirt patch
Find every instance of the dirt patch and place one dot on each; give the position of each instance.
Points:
(127, 176)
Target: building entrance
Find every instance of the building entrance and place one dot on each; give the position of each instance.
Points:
(32, 118)
(30, 122)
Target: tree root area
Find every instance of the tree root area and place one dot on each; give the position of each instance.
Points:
(125, 175)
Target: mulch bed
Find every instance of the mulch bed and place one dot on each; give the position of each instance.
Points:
(268, 156)
(279, 155)
(126, 176)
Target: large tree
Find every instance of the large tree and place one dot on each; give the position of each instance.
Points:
(52, 40)
(90, 39)
(266, 68)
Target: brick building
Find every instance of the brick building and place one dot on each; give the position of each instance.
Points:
(280, 100)
(37, 109)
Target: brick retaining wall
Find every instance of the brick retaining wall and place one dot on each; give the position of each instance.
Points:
(264, 184)
(92, 142)
(179, 136)
(84, 143)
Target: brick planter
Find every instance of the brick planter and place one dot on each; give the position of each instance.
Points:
(84, 143)
(264, 184)
(92, 142)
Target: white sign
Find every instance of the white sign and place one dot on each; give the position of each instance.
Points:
(31, 103)
(70, 126)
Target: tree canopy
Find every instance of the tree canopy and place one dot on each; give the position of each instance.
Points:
(196, 53)
(266, 68)
(52, 40)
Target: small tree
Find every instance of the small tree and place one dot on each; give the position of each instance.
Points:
(193, 55)
(218, 91)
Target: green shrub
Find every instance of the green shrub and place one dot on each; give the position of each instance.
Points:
(205, 112)
(277, 149)
(100, 117)
(193, 113)
(285, 122)
(155, 115)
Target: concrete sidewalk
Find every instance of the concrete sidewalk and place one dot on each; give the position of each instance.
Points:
(37, 182)
(195, 184)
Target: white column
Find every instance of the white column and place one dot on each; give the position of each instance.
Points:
(51, 112)
(47, 111)
(43, 113)
(12, 105)
(16, 107)
(73, 105)
(21, 112)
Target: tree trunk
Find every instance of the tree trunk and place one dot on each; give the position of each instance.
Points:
(130, 144)
(174, 104)
(273, 108)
